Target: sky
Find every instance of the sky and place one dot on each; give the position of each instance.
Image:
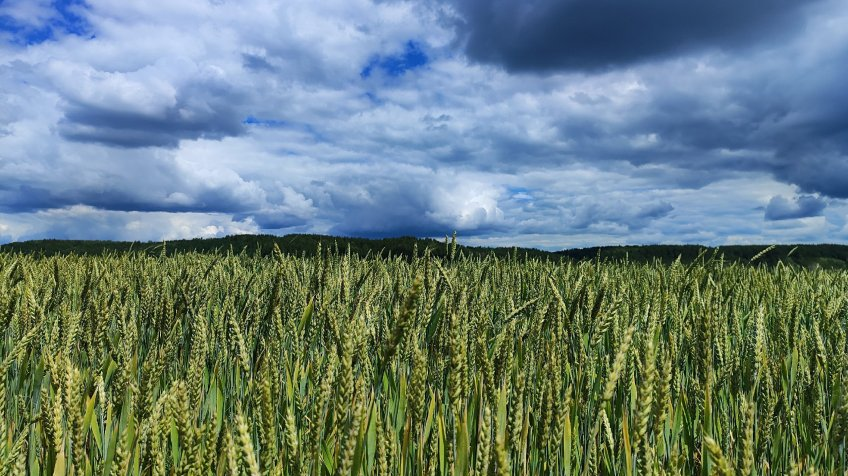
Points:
(545, 123)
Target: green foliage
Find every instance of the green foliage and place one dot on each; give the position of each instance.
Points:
(193, 363)
(829, 256)
(292, 245)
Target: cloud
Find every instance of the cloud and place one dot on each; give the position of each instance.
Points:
(288, 208)
(614, 209)
(143, 108)
(257, 63)
(5, 236)
(412, 200)
(628, 215)
(89, 223)
(803, 206)
(378, 118)
(548, 35)
(824, 173)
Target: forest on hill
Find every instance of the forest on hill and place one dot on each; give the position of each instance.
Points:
(823, 255)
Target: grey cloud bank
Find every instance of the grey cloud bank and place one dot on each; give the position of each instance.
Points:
(539, 123)
(780, 208)
(545, 35)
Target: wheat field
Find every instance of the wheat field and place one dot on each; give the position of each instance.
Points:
(339, 365)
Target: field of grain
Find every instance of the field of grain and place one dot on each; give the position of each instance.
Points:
(337, 365)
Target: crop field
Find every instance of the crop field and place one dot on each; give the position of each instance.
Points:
(198, 364)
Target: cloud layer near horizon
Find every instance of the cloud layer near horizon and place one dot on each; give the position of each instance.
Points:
(159, 120)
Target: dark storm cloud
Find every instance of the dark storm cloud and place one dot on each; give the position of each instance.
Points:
(366, 211)
(15, 198)
(588, 213)
(811, 138)
(394, 205)
(207, 111)
(24, 198)
(780, 208)
(774, 104)
(545, 35)
(257, 63)
(826, 173)
(273, 221)
(144, 182)
(763, 112)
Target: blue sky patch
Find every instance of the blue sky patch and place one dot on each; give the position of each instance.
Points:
(65, 20)
(413, 57)
(256, 121)
(283, 124)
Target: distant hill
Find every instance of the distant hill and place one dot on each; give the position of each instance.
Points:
(264, 244)
(825, 255)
